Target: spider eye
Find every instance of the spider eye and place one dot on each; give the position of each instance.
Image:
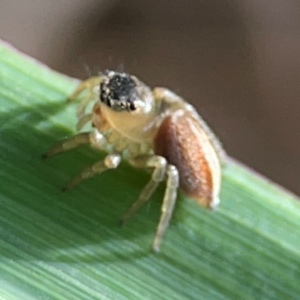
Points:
(118, 91)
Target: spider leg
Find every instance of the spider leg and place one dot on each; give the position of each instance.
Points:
(111, 161)
(83, 120)
(167, 205)
(91, 85)
(88, 84)
(159, 164)
(95, 138)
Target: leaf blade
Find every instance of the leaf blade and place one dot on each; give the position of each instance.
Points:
(61, 245)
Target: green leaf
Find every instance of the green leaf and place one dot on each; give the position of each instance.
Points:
(56, 245)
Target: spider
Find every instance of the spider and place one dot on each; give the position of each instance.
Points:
(150, 128)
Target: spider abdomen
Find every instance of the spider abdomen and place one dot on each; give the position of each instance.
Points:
(181, 140)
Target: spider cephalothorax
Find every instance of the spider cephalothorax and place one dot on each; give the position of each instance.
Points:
(152, 129)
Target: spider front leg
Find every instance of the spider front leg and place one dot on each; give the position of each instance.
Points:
(160, 166)
(111, 161)
(94, 138)
(92, 86)
(88, 84)
(82, 120)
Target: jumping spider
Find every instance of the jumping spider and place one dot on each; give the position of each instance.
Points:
(151, 129)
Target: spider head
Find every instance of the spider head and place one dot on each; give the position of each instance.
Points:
(122, 92)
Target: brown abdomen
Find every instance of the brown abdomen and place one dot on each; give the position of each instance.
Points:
(182, 141)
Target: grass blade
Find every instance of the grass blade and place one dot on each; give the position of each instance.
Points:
(56, 245)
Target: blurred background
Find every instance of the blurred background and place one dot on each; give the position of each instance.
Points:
(236, 61)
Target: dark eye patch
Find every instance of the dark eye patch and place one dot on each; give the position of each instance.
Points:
(121, 88)
(119, 92)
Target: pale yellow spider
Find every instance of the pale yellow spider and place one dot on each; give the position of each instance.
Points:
(151, 129)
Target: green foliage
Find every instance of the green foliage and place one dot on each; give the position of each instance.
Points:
(56, 245)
